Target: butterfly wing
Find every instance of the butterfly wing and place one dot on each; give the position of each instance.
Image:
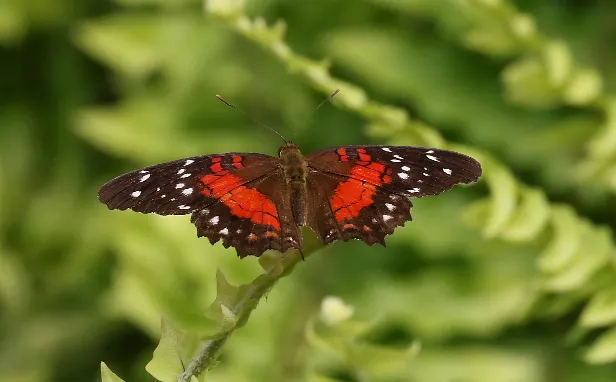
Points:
(225, 193)
(342, 208)
(362, 190)
(185, 185)
(252, 218)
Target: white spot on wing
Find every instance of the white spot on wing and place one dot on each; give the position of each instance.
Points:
(188, 161)
(179, 185)
(184, 207)
(387, 217)
(390, 207)
(429, 151)
(185, 176)
(386, 149)
(414, 190)
(187, 191)
(181, 171)
(403, 175)
(426, 174)
(157, 189)
(162, 196)
(398, 156)
(374, 220)
(143, 171)
(214, 220)
(432, 158)
(145, 177)
(406, 168)
(395, 160)
(447, 171)
(239, 231)
(135, 194)
(224, 231)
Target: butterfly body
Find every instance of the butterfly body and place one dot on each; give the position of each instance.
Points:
(255, 202)
(295, 173)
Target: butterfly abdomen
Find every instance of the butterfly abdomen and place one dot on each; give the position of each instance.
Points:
(295, 172)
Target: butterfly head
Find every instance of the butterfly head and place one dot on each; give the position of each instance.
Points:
(289, 148)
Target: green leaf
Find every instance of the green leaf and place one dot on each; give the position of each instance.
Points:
(565, 242)
(601, 310)
(13, 22)
(584, 87)
(530, 218)
(176, 346)
(586, 261)
(129, 43)
(604, 349)
(503, 197)
(107, 375)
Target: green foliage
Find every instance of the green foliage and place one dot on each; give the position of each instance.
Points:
(510, 280)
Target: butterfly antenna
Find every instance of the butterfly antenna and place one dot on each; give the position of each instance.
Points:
(329, 97)
(247, 115)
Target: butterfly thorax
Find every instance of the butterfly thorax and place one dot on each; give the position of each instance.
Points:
(294, 165)
(295, 171)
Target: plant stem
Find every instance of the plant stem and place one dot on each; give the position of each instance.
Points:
(211, 349)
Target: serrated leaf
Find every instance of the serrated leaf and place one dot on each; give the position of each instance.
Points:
(313, 377)
(604, 349)
(589, 258)
(603, 144)
(584, 87)
(527, 84)
(530, 217)
(601, 310)
(128, 43)
(565, 240)
(175, 347)
(380, 360)
(503, 197)
(107, 375)
(231, 303)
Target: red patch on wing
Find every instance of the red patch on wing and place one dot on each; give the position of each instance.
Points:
(356, 193)
(349, 198)
(237, 161)
(242, 201)
(216, 167)
(343, 154)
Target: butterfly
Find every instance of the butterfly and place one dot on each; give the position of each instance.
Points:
(255, 202)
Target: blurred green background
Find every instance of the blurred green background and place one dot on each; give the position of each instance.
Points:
(510, 280)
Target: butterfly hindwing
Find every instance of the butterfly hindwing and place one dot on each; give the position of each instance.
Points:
(342, 208)
(252, 218)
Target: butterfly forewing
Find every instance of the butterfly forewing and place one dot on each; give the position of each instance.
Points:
(183, 186)
(403, 170)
